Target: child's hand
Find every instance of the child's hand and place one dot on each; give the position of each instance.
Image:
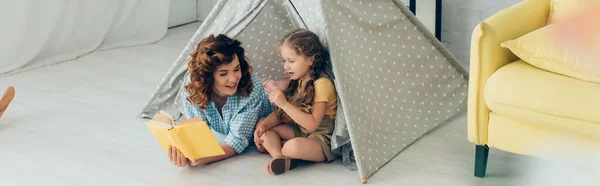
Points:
(276, 97)
(260, 130)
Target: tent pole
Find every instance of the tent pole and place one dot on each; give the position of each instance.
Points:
(294, 6)
(438, 19)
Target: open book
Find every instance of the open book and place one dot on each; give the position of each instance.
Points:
(191, 136)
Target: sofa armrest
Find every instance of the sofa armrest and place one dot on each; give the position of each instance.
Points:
(487, 55)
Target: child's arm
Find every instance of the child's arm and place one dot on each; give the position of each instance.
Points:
(270, 121)
(309, 121)
(324, 91)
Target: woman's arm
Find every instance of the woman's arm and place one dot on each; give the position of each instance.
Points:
(192, 111)
(229, 152)
(179, 159)
(241, 128)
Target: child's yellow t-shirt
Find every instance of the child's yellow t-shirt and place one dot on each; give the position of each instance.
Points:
(325, 91)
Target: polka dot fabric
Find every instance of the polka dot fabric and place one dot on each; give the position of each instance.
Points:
(221, 20)
(261, 36)
(395, 84)
(312, 15)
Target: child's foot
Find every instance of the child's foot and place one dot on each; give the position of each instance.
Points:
(6, 99)
(280, 165)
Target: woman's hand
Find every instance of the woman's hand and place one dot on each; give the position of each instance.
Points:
(177, 157)
(270, 85)
(284, 82)
(195, 163)
(276, 97)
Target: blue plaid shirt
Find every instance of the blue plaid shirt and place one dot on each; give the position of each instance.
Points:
(240, 115)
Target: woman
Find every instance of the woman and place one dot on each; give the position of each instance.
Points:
(222, 90)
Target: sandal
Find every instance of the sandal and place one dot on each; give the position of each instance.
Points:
(6, 99)
(280, 165)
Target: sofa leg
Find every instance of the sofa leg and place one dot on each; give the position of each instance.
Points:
(481, 157)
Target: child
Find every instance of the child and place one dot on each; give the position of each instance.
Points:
(302, 125)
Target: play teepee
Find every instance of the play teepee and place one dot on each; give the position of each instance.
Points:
(394, 79)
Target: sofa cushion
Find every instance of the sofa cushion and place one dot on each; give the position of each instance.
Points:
(561, 10)
(524, 92)
(541, 49)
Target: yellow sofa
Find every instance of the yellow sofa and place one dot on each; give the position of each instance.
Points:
(516, 107)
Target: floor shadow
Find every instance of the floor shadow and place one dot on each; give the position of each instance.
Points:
(7, 124)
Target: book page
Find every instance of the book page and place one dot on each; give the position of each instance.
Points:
(190, 121)
(168, 116)
(160, 117)
(159, 124)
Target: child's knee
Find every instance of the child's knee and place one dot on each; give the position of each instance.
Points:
(265, 137)
(291, 148)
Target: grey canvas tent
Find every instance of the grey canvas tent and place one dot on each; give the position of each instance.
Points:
(394, 79)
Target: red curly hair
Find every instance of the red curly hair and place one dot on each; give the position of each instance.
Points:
(210, 54)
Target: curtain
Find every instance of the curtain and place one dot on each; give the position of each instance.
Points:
(37, 33)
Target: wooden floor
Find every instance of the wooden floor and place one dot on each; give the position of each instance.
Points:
(74, 123)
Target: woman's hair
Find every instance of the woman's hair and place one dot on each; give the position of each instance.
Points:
(210, 54)
(307, 44)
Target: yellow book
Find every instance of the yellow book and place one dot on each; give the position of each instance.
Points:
(191, 136)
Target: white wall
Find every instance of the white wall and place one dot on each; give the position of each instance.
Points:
(204, 7)
(459, 18)
(187, 11)
(181, 12)
(425, 13)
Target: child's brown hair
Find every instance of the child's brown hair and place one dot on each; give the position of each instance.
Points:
(307, 44)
